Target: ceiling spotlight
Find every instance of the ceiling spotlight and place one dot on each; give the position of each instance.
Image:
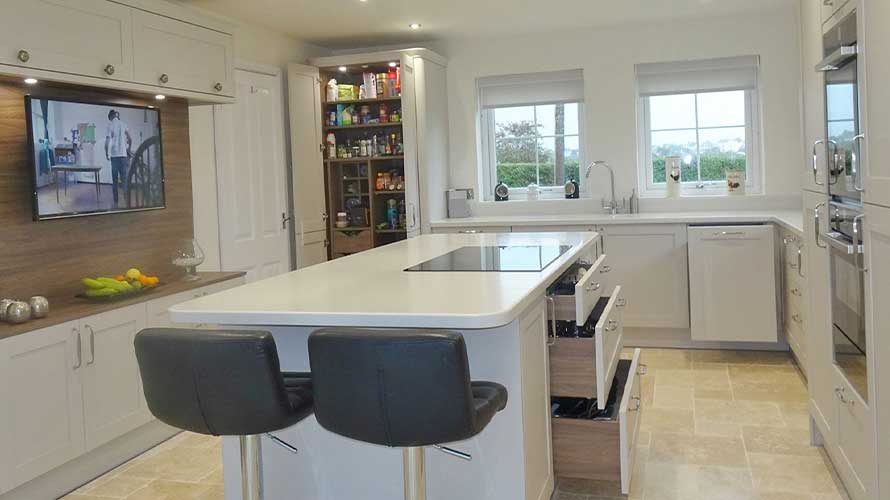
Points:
(415, 26)
(393, 64)
(342, 69)
(160, 97)
(31, 81)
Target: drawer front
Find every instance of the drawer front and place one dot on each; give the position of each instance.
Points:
(351, 242)
(573, 368)
(630, 414)
(609, 339)
(588, 291)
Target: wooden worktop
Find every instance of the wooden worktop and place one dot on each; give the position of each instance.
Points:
(63, 309)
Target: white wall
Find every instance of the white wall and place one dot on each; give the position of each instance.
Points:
(607, 57)
(253, 44)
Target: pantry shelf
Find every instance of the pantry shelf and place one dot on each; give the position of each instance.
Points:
(364, 126)
(364, 101)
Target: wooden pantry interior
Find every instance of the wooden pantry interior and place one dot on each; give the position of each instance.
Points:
(381, 162)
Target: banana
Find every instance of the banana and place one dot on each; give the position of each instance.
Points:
(92, 284)
(113, 283)
(101, 292)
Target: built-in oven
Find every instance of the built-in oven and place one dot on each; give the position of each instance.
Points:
(847, 263)
(843, 131)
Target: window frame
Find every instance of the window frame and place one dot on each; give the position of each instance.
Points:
(753, 184)
(488, 154)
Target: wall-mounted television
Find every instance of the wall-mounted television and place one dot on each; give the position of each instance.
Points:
(93, 158)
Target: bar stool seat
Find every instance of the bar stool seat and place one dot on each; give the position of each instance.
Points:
(406, 389)
(223, 383)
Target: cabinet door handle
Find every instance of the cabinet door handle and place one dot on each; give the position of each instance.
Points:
(800, 262)
(816, 222)
(92, 345)
(638, 403)
(612, 326)
(856, 163)
(796, 292)
(24, 56)
(164, 78)
(79, 359)
(218, 87)
(857, 239)
(642, 370)
(109, 69)
(606, 269)
(621, 303)
(551, 340)
(593, 287)
(816, 162)
(796, 318)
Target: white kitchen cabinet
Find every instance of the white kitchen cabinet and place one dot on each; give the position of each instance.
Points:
(89, 37)
(820, 375)
(794, 303)
(649, 262)
(41, 418)
(877, 248)
(732, 283)
(176, 54)
(473, 230)
(158, 316)
(854, 450)
(313, 249)
(874, 19)
(113, 402)
(307, 160)
(813, 86)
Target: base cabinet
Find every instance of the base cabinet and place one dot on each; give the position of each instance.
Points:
(853, 452)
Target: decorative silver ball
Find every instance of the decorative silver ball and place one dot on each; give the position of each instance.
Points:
(4, 303)
(18, 312)
(39, 306)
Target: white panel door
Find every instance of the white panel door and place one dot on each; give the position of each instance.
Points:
(112, 388)
(313, 249)
(732, 283)
(649, 262)
(412, 151)
(82, 37)
(815, 151)
(42, 410)
(252, 178)
(307, 163)
(874, 19)
(820, 375)
(855, 457)
(181, 55)
(877, 249)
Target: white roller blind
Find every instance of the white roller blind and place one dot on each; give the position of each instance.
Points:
(530, 89)
(706, 75)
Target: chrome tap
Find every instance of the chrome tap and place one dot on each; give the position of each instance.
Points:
(613, 206)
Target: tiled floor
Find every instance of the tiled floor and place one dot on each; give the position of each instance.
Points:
(721, 425)
(717, 425)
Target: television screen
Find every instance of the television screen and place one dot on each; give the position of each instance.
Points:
(92, 158)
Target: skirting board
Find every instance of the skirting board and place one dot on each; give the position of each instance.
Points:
(681, 338)
(84, 469)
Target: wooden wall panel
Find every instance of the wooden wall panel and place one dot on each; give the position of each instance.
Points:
(50, 257)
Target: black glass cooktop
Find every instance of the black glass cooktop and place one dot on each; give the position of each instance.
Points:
(513, 258)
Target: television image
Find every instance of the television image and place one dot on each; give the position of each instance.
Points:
(93, 158)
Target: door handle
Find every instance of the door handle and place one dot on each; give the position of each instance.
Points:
(800, 262)
(551, 338)
(833, 172)
(612, 325)
(816, 162)
(79, 358)
(284, 220)
(621, 303)
(606, 269)
(92, 345)
(816, 222)
(592, 287)
(856, 163)
(857, 238)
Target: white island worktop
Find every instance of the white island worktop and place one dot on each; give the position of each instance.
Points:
(503, 318)
(371, 289)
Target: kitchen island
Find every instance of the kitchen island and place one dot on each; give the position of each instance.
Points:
(503, 317)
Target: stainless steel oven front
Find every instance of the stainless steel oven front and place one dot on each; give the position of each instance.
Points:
(847, 261)
(843, 130)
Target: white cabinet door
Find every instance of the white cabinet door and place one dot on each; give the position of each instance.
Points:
(854, 433)
(820, 375)
(649, 263)
(877, 249)
(313, 249)
(41, 417)
(171, 53)
(307, 160)
(87, 37)
(732, 283)
(112, 388)
(410, 116)
(874, 19)
(815, 152)
(157, 315)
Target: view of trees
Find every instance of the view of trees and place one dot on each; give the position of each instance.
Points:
(523, 157)
(716, 160)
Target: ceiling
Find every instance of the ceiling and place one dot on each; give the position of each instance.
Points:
(340, 24)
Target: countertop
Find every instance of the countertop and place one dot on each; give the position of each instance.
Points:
(790, 219)
(371, 289)
(63, 309)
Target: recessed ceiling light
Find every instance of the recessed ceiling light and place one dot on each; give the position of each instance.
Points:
(160, 97)
(363, 1)
(151, 107)
(364, 66)
(415, 26)
(393, 64)
(31, 81)
(342, 69)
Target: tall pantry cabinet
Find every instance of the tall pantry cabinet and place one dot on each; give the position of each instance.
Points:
(369, 169)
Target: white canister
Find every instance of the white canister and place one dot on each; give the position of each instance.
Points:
(672, 174)
(533, 191)
(735, 182)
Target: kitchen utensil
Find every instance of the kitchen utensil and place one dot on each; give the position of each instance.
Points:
(501, 192)
(39, 306)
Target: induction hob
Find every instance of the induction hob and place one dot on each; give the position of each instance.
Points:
(511, 258)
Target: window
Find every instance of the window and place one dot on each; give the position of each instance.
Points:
(705, 113)
(531, 131)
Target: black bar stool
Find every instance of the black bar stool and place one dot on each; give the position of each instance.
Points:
(223, 383)
(405, 389)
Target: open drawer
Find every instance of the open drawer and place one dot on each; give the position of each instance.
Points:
(575, 302)
(589, 443)
(583, 366)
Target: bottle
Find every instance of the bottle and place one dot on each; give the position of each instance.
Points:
(381, 85)
(391, 83)
(402, 214)
(388, 146)
(331, 141)
(332, 91)
(374, 150)
(392, 214)
(395, 144)
(398, 80)
(381, 185)
(347, 116)
(384, 113)
(332, 119)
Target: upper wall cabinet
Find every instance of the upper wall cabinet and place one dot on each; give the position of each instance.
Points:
(815, 151)
(88, 37)
(175, 54)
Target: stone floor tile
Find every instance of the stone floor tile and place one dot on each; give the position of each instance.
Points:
(796, 474)
(173, 490)
(738, 412)
(741, 357)
(673, 397)
(699, 450)
(778, 441)
(667, 420)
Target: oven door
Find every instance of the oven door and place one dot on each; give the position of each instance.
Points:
(843, 130)
(848, 310)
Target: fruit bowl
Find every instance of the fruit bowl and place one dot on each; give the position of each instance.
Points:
(121, 287)
(118, 296)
